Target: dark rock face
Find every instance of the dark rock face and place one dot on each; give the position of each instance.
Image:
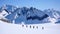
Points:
(37, 17)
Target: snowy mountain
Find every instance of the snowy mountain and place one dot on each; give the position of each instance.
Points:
(8, 8)
(29, 15)
(54, 14)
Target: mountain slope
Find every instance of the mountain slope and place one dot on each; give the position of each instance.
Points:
(30, 15)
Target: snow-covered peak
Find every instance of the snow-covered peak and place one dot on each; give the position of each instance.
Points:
(9, 8)
(53, 15)
(30, 15)
(3, 13)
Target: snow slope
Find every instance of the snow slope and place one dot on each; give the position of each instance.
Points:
(8, 28)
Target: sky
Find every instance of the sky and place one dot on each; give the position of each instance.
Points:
(39, 4)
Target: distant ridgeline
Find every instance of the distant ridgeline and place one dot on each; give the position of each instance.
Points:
(27, 15)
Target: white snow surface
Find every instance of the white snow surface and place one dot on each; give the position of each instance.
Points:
(10, 28)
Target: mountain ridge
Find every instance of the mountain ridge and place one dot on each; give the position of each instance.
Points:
(29, 15)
